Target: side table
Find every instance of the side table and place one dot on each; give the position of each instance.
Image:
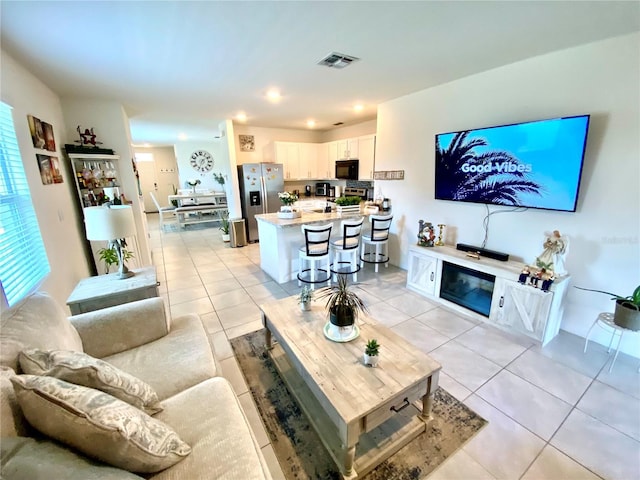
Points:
(605, 320)
(103, 291)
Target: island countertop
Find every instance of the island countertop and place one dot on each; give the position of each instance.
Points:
(306, 218)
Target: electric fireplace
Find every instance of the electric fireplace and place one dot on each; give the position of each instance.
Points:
(466, 287)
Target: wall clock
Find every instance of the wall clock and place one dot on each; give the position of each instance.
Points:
(201, 161)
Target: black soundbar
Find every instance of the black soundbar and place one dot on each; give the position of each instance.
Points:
(503, 257)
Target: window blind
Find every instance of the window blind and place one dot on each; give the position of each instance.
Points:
(23, 259)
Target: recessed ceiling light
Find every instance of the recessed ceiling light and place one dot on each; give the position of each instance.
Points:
(273, 95)
(311, 123)
(146, 145)
(358, 107)
(241, 117)
(182, 136)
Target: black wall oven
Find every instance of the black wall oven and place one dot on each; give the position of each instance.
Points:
(347, 169)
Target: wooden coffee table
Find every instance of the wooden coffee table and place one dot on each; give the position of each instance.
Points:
(363, 415)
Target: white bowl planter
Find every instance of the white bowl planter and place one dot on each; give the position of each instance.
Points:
(226, 237)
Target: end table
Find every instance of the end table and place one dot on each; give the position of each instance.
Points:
(103, 291)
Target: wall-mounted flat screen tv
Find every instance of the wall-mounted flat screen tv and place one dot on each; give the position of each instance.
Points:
(532, 164)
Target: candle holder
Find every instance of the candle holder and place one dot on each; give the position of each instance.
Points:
(439, 242)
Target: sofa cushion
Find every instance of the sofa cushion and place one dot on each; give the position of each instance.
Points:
(23, 458)
(173, 363)
(218, 431)
(83, 369)
(37, 322)
(98, 424)
(12, 422)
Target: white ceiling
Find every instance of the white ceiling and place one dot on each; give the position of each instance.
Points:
(186, 66)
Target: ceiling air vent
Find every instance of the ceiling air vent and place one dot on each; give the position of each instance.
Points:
(337, 124)
(337, 60)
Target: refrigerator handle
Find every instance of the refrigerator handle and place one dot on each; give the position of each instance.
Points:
(263, 191)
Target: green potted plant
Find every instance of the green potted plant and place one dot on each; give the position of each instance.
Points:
(371, 353)
(109, 256)
(627, 311)
(343, 304)
(348, 204)
(224, 228)
(218, 177)
(306, 295)
(174, 202)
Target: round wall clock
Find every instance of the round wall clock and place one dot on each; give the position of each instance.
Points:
(201, 161)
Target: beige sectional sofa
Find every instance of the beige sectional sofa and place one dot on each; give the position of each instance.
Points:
(174, 357)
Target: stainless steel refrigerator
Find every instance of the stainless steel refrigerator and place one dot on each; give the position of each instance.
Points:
(260, 184)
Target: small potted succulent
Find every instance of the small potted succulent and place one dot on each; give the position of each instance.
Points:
(305, 298)
(371, 353)
(627, 311)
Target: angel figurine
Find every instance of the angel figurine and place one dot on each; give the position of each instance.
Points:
(552, 257)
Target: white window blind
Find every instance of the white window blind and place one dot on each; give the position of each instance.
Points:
(23, 259)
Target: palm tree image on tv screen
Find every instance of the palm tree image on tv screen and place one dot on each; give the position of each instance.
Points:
(534, 164)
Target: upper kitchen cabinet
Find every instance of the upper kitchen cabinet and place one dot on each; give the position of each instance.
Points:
(366, 155)
(288, 154)
(347, 148)
(309, 165)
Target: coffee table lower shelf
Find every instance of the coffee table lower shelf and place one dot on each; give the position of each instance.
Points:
(374, 447)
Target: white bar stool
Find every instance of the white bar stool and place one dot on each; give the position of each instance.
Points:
(345, 249)
(378, 237)
(315, 251)
(605, 321)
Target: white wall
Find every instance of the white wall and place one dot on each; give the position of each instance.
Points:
(601, 79)
(54, 204)
(183, 151)
(351, 131)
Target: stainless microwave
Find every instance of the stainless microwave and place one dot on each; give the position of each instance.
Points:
(347, 169)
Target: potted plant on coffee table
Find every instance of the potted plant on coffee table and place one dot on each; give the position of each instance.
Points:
(627, 311)
(306, 295)
(371, 353)
(343, 306)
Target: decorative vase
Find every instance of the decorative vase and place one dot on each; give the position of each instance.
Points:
(371, 360)
(305, 306)
(341, 317)
(627, 315)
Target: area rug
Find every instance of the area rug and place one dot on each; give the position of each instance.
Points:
(299, 449)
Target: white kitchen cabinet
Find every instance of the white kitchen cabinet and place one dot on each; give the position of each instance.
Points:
(288, 154)
(422, 274)
(366, 155)
(332, 152)
(348, 148)
(309, 168)
(520, 308)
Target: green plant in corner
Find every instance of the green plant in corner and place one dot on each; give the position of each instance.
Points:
(224, 224)
(109, 256)
(218, 177)
(632, 301)
(175, 192)
(627, 309)
(372, 348)
(345, 201)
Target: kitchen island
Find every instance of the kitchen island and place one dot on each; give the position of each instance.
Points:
(281, 238)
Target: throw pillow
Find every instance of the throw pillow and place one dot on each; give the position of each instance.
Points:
(98, 425)
(83, 369)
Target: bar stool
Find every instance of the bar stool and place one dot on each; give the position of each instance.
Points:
(315, 251)
(345, 249)
(378, 237)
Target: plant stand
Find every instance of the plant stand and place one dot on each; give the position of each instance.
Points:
(605, 321)
(348, 209)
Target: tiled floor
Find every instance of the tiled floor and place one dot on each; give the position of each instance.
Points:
(554, 413)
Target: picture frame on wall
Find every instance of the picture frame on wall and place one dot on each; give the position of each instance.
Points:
(49, 167)
(37, 132)
(49, 140)
(247, 143)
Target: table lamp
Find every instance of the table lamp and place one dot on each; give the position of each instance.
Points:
(112, 223)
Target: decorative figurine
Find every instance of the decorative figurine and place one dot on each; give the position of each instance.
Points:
(440, 242)
(524, 275)
(426, 234)
(552, 257)
(87, 138)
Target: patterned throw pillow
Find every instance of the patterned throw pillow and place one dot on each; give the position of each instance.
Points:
(98, 424)
(83, 369)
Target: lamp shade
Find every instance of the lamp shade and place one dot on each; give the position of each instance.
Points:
(109, 223)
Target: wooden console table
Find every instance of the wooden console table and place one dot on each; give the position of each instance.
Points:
(103, 291)
(362, 415)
